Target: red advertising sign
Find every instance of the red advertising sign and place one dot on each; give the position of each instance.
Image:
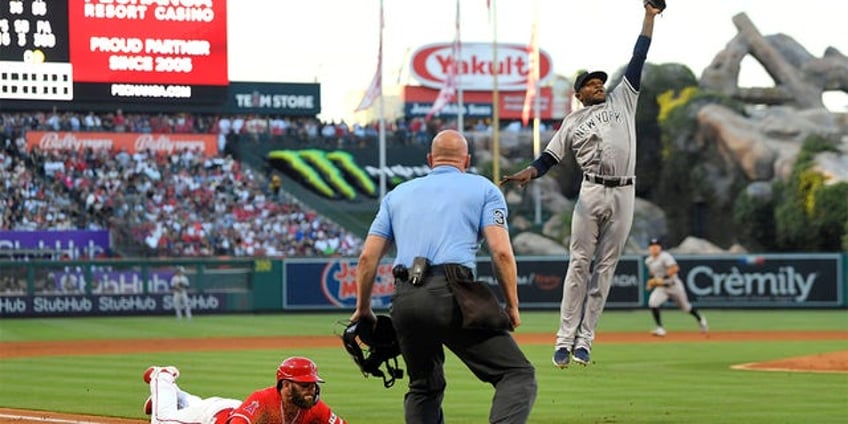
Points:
(205, 144)
(149, 41)
(476, 65)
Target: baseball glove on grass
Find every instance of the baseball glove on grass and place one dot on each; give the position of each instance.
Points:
(656, 4)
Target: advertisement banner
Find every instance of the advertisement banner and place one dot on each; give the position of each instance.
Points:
(430, 64)
(771, 281)
(94, 305)
(418, 100)
(107, 50)
(174, 42)
(539, 283)
(79, 244)
(331, 284)
(73, 280)
(273, 98)
(205, 144)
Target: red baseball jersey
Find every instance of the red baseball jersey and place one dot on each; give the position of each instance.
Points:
(265, 407)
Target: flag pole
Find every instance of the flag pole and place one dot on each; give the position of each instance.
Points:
(496, 148)
(460, 126)
(382, 140)
(537, 107)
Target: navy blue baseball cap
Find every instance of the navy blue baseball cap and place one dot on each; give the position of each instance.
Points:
(584, 77)
(655, 241)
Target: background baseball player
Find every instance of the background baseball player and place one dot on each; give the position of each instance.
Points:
(294, 399)
(602, 138)
(665, 284)
(179, 287)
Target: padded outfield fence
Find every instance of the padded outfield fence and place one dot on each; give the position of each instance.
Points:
(142, 287)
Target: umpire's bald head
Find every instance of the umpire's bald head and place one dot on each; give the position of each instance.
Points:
(449, 147)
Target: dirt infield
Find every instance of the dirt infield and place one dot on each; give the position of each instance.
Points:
(824, 362)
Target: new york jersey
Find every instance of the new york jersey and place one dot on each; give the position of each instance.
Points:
(602, 137)
(658, 267)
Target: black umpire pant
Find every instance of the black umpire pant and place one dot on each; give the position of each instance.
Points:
(426, 318)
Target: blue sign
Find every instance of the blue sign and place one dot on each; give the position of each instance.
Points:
(329, 284)
(93, 305)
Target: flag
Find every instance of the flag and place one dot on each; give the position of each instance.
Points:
(532, 76)
(375, 89)
(446, 94)
(448, 91)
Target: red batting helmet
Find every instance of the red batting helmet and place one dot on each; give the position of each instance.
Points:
(299, 369)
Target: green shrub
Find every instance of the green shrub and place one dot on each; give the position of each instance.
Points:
(811, 215)
(754, 219)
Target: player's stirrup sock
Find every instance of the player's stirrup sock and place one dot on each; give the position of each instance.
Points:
(656, 313)
(695, 314)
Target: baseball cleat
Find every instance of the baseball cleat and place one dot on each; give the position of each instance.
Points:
(561, 357)
(151, 372)
(148, 406)
(581, 356)
(659, 332)
(703, 324)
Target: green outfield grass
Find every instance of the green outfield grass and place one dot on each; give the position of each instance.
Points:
(628, 383)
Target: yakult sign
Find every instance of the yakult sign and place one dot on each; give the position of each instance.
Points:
(206, 144)
(430, 65)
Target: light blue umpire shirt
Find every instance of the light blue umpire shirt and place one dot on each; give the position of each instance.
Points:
(440, 216)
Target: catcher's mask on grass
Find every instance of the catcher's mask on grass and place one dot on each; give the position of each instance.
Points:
(382, 348)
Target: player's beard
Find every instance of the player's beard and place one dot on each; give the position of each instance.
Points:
(596, 100)
(303, 398)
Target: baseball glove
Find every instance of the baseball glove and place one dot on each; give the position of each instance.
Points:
(656, 4)
(655, 282)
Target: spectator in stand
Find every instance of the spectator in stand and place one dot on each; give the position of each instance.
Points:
(92, 122)
(328, 132)
(238, 124)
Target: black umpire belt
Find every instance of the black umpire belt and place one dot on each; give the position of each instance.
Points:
(401, 272)
(609, 181)
(444, 269)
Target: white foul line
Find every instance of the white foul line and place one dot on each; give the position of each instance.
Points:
(47, 420)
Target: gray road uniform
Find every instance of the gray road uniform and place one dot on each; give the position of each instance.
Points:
(658, 267)
(602, 138)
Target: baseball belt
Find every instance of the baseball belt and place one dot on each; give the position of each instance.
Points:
(609, 181)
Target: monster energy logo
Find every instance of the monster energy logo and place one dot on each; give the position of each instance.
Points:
(336, 174)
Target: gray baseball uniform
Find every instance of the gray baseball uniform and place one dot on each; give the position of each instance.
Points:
(603, 140)
(658, 267)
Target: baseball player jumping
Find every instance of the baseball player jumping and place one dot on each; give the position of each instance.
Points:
(294, 400)
(602, 138)
(665, 284)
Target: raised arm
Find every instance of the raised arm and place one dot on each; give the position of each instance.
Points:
(640, 51)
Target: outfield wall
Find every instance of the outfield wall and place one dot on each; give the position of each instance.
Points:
(142, 287)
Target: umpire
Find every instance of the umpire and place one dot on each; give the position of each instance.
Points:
(436, 223)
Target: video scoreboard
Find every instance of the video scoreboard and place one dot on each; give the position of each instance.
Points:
(151, 51)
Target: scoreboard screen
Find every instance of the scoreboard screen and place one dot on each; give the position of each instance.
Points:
(151, 51)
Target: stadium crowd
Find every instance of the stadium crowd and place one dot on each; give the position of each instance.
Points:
(182, 204)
